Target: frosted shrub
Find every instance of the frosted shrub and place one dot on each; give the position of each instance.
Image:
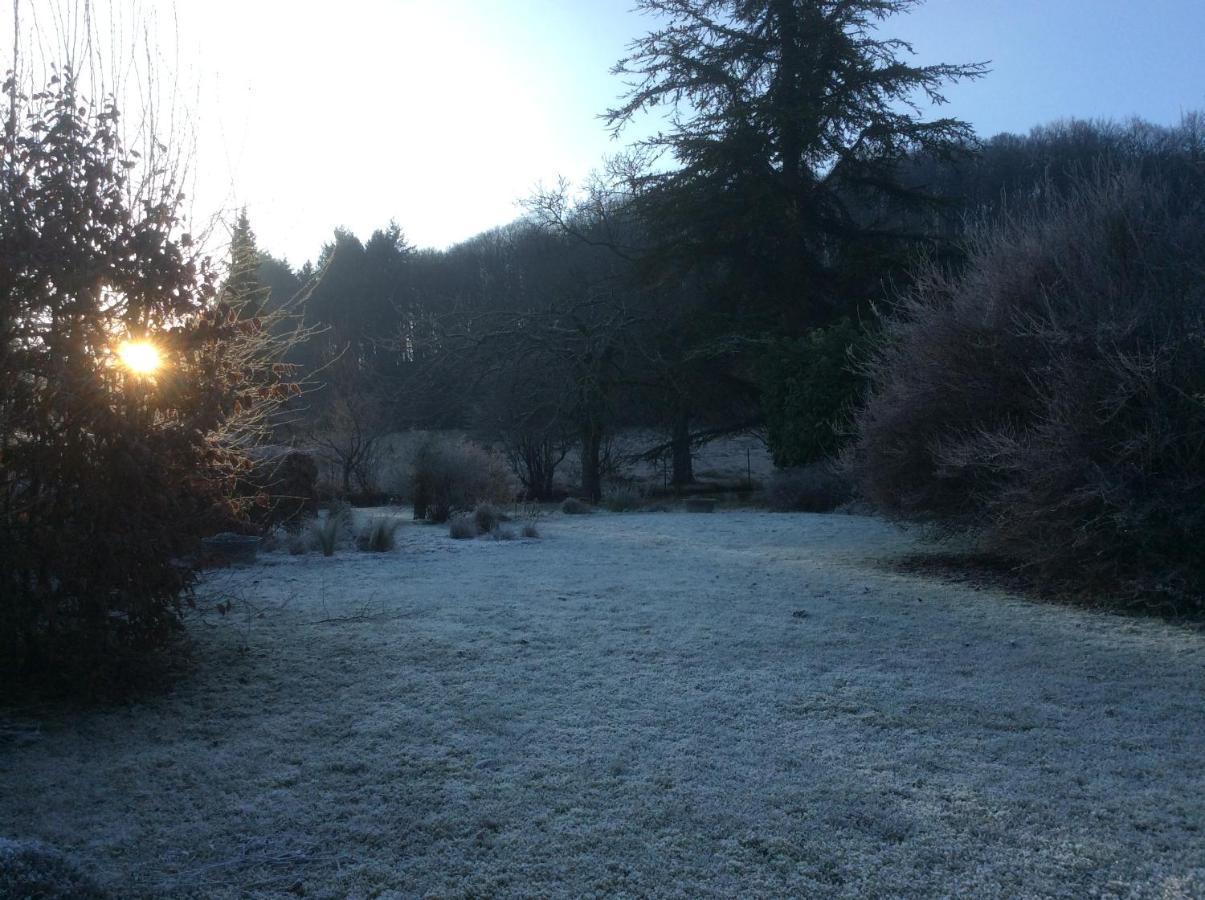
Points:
(328, 532)
(379, 535)
(1051, 397)
(487, 517)
(462, 528)
(448, 476)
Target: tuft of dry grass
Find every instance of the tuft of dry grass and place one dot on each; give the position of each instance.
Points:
(462, 528)
(379, 535)
(327, 532)
(487, 517)
(297, 543)
(623, 498)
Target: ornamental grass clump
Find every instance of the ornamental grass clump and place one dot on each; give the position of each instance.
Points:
(379, 535)
(487, 517)
(623, 498)
(462, 528)
(328, 531)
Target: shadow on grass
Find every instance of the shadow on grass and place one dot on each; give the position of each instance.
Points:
(985, 571)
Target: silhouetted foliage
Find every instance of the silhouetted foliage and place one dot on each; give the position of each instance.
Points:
(347, 422)
(771, 204)
(1052, 397)
(817, 488)
(790, 119)
(108, 477)
(531, 345)
(358, 299)
(808, 387)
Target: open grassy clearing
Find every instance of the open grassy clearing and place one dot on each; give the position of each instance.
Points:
(640, 704)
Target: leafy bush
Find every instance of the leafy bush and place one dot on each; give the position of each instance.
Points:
(288, 478)
(462, 528)
(574, 507)
(818, 488)
(110, 473)
(530, 530)
(808, 386)
(1052, 398)
(448, 476)
(378, 535)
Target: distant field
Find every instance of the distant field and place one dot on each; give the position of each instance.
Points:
(672, 705)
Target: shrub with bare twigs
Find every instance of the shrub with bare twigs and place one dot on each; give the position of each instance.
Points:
(449, 476)
(1052, 397)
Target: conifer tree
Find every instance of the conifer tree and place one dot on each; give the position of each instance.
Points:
(787, 121)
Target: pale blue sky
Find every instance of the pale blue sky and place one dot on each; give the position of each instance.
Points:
(1058, 58)
(443, 113)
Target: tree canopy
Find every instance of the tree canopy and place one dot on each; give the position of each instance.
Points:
(787, 122)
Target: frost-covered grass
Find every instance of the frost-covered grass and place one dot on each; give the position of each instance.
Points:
(743, 704)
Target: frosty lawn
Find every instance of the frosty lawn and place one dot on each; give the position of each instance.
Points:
(647, 704)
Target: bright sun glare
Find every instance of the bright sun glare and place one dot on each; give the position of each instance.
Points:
(140, 357)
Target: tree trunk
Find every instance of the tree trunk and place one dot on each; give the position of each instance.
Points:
(547, 480)
(684, 471)
(540, 470)
(592, 437)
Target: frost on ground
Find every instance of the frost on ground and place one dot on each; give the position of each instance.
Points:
(741, 704)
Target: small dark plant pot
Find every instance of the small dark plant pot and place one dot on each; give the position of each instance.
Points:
(700, 505)
(233, 549)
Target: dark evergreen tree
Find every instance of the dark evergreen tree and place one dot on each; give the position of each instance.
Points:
(787, 122)
(279, 279)
(358, 296)
(243, 287)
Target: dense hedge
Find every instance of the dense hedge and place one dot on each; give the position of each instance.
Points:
(1052, 396)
